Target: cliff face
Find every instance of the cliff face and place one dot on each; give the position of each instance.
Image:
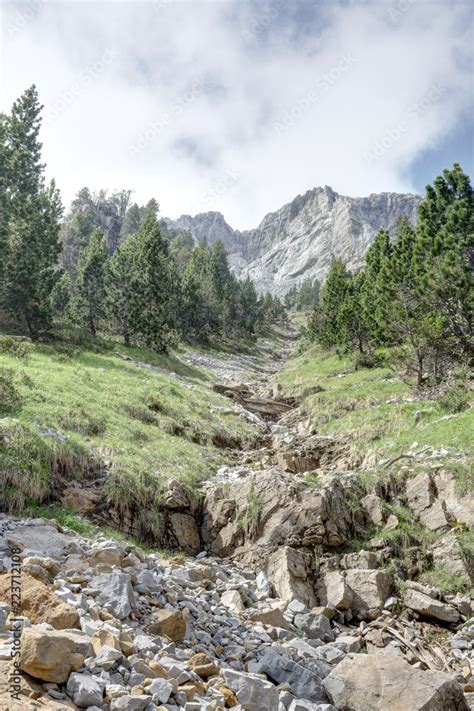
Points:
(298, 241)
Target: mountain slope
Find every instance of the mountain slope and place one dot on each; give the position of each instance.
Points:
(298, 241)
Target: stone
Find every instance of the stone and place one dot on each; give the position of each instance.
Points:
(253, 692)
(421, 499)
(435, 517)
(110, 555)
(170, 623)
(380, 682)
(281, 668)
(272, 614)
(232, 600)
(114, 591)
(51, 655)
(40, 604)
(334, 590)
(429, 607)
(105, 637)
(370, 589)
(130, 703)
(204, 666)
(286, 569)
(161, 690)
(448, 553)
(85, 690)
(315, 626)
(375, 509)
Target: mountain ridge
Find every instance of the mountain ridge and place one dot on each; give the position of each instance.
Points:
(298, 241)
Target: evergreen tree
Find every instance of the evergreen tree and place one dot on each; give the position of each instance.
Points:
(33, 224)
(88, 305)
(151, 307)
(119, 286)
(61, 295)
(444, 253)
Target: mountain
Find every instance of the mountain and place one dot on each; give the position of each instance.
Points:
(298, 241)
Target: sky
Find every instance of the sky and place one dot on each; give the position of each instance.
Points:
(238, 106)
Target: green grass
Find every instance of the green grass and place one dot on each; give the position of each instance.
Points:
(355, 406)
(440, 577)
(82, 409)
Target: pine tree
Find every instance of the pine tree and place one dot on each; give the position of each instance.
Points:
(119, 287)
(88, 305)
(61, 295)
(154, 281)
(372, 293)
(444, 253)
(33, 225)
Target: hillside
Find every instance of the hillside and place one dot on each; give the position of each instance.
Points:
(296, 541)
(298, 241)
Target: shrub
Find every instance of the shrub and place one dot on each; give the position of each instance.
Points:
(18, 347)
(10, 398)
(367, 360)
(455, 397)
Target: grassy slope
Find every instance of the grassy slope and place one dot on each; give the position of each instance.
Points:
(354, 404)
(151, 425)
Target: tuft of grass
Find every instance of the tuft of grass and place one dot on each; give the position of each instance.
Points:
(32, 462)
(10, 397)
(455, 398)
(440, 577)
(251, 518)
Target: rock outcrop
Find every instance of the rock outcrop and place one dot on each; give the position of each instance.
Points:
(298, 241)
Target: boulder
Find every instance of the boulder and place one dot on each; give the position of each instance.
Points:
(314, 626)
(448, 553)
(375, 509)
(51, 655)
(85, 690)
(170, 623)
(421, 499)
(382, 682)
(232, 600)
(130, 703)
(370, 589)
(430, 607)
(334, 590)
(304, 683)
(203, 665)
(287, 570)
(272, 614)
(253, 692)
(114, 592)
(39, 603)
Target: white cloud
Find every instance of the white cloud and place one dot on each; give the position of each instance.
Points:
(233, 105)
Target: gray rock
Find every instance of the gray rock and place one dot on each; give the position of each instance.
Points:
(303, 682)
(315, 626)
(379, 682)
(429, 607)
(252, 691)
(130, 703)
(85, 690)
(114, 591)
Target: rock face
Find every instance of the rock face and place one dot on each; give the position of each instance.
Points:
(379, 682)
(298, 241)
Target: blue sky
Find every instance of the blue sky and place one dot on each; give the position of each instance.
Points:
(237, 105)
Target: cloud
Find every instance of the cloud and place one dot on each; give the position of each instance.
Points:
(237, 105)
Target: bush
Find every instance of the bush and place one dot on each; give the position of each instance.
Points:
(10, 398)
(455, 397)
(367, 360)
(18, 347)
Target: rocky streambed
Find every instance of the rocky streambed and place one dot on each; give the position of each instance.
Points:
(282, 603)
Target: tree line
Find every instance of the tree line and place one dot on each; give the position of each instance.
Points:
(110, 265)
(415, 294)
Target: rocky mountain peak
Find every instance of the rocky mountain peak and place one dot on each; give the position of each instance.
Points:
(299, 240)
